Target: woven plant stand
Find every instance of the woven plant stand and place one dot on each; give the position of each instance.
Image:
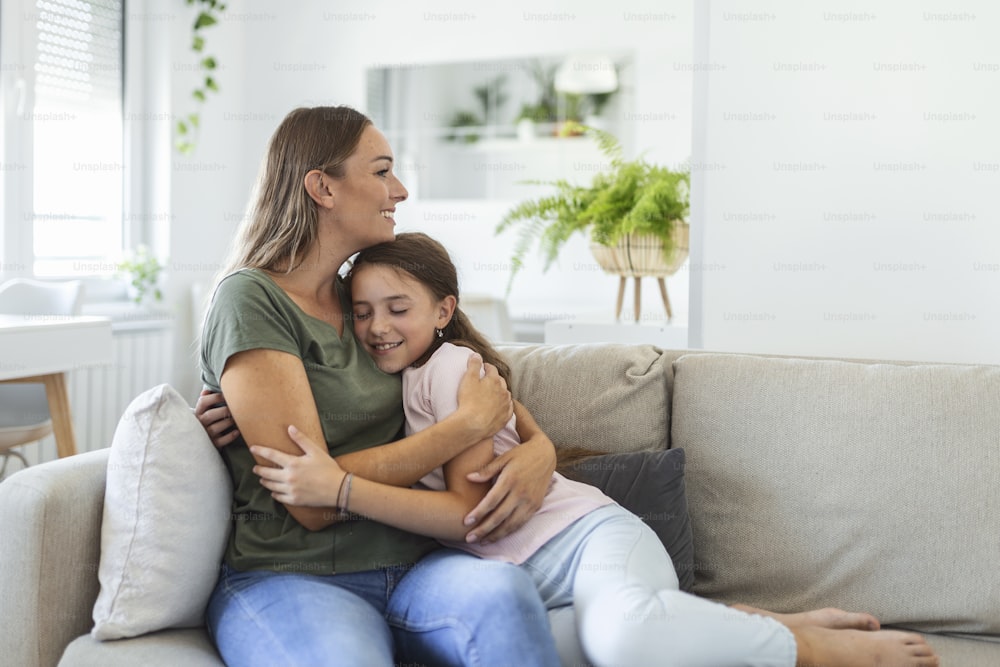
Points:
(640, 256)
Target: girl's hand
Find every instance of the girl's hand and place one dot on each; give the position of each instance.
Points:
(523, 476)
(213, 413)
(484, 402)
(310, 480)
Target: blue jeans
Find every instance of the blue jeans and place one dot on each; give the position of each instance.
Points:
(451, 608)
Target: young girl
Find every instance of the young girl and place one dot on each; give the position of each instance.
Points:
(581, 548)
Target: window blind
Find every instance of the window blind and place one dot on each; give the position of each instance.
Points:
(79, 50)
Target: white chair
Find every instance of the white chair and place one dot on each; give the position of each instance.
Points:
(489, 315)
(24, 407)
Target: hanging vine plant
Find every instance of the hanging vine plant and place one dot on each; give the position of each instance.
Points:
(188, 126)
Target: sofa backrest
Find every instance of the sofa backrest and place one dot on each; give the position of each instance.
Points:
(861, 485)
(604, 397)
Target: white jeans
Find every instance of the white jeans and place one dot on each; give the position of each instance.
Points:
(611, 570)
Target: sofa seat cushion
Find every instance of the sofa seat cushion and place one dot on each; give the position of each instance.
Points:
(870, 487)
(965, 652)
(167, 648)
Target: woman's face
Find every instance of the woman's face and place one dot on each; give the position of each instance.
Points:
(365, 197)
(395, 315)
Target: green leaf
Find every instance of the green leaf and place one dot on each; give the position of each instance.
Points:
(198, 43)
(193, 119)
(208, 63)
(182, 127)
(204, 20)
(211, 85)
(199, 95)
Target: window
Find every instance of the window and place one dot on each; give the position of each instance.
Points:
(67, 197)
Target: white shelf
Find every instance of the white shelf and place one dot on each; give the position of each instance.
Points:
(606, 330)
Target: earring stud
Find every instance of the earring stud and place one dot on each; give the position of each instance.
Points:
(439, 332)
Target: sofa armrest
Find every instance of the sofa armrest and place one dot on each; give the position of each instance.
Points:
(50, 545)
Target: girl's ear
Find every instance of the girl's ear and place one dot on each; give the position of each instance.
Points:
(446, 310)
(317, 185)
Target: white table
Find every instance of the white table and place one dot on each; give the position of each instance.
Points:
(607, 330)
(42, 348)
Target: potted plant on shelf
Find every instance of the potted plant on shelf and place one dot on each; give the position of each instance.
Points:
(142, 270)
(635, 213)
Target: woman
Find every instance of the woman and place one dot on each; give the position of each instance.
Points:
(306, 585)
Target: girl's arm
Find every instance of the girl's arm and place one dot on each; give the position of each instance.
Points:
(484, 406)
(523, 475)
(305, 481)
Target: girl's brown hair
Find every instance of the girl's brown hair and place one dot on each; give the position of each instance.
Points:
(427, 261)
(280, 225)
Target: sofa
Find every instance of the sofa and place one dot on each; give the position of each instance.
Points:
(865, 485)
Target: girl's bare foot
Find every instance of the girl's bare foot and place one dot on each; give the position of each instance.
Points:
(829, 617)
(823, 647)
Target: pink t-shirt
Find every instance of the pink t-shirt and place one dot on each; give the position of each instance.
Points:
(430, 393)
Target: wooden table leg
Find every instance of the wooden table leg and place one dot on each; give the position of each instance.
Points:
(62, 420)
(638, 296)
(621, 297)
(666, 299)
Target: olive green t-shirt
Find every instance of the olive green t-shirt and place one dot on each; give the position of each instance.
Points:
(359, 407)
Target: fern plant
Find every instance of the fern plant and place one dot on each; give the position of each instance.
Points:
(634, 196)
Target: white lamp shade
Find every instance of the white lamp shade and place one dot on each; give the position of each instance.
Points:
(586, 74)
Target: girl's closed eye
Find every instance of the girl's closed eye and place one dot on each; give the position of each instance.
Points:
(360, 315)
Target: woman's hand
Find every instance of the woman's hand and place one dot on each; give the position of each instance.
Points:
(310, 480)
(213, 413)
(523, 476)
(484, 403)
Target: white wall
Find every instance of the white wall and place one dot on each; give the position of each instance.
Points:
(316, 52)
(848, 163)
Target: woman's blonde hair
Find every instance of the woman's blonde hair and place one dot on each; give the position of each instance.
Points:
(280, 224)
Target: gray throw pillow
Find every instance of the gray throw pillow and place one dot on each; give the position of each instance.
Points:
(651, 486)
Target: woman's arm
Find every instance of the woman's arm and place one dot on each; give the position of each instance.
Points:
(484, 406)
(305, 481)
(266, 390)
(523, 475)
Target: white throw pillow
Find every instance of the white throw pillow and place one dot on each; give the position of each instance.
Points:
(166, 520)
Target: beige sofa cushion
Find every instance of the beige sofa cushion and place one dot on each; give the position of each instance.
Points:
(606, 397)
(166, 520)
(865, 486)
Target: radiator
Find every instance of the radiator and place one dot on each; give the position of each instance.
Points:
(142, 352)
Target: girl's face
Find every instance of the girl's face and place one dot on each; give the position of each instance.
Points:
(395, 315)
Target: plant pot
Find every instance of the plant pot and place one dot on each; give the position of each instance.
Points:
(639, 255)
(526, 129)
